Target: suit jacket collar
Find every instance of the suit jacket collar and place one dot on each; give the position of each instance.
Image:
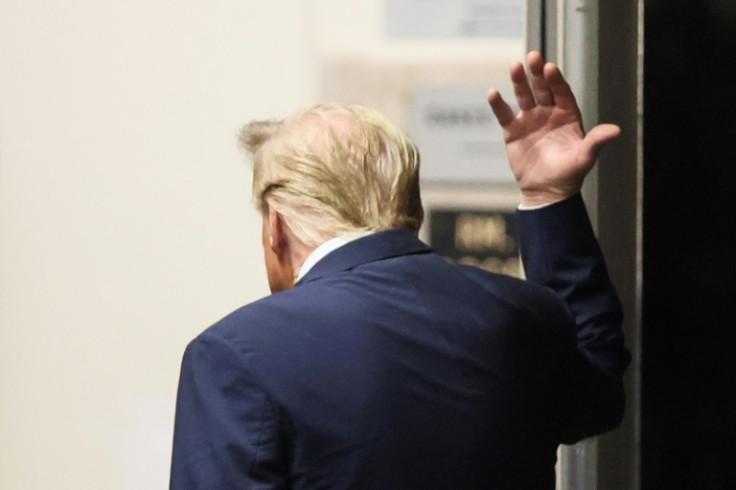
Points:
(378, 246)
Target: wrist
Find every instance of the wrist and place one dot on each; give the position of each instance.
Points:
(535, 196)
(541, 200)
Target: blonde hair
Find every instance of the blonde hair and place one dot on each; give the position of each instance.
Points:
(334, 170)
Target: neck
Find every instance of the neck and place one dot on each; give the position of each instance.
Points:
(298, 256)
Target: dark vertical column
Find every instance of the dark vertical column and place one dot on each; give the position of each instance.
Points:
(535, 26)
(619, 218)
(541, 27)
(689, 367)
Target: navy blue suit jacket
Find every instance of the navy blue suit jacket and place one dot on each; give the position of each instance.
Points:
(386, 367)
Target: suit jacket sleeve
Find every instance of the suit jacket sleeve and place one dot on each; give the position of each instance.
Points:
(560, 251)
(225, 433)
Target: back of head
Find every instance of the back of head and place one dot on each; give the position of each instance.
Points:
(334, 170)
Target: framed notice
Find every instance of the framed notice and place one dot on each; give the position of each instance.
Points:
(474, 227)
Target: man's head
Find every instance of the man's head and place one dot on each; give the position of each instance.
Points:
(334, 170)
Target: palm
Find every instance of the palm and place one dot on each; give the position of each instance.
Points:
(547, 149)
(544, 144)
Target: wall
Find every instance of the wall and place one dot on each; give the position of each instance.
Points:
(125, 223)
(125, 219)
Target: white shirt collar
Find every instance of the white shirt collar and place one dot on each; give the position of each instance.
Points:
(321, 252)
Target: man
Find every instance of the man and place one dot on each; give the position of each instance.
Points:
(376, 364)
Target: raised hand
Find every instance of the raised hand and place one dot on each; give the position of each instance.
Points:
(548, 150)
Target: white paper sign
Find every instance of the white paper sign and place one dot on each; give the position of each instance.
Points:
(458, 137)
(454, 18)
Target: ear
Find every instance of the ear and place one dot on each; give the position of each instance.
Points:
(277, 236)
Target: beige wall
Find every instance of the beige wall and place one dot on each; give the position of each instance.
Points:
(125, 224)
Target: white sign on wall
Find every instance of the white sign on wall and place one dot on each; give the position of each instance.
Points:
(458, 137)
(454, 18)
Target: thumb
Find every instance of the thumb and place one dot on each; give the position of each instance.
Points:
(598, 136)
